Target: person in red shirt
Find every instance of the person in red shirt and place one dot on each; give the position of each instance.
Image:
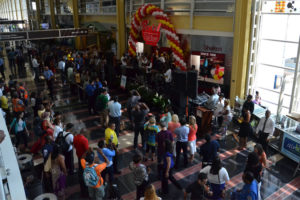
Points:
(81, 144)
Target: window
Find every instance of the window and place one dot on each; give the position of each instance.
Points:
(277, 55)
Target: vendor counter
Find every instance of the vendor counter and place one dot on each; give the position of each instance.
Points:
(285, 139)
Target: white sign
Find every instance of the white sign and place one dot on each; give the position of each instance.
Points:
(123, 81)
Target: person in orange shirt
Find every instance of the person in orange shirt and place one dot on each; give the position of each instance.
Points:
(258, 149)
(97, 191)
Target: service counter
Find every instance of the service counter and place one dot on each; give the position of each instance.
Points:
(285, 139)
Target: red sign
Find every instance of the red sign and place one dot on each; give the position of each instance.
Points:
(151, 34)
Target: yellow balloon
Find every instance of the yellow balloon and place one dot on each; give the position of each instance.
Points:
(216, 77)
(221, 73)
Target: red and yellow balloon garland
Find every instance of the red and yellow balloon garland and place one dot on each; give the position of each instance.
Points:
(166, 27)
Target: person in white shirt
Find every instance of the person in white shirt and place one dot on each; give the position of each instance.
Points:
(265, 129)
(36, 68)
(123, 60)
(58, 127)
(162, 58)
(61, 67)
(69, 157)
(219, 109)
(217, 177)
(213, 99)
(168, 75)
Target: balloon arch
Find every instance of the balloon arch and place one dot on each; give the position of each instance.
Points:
(166, 26)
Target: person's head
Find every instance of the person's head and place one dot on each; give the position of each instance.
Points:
(258, 149)
(226, 102)
(41, 107)
(55, 151)
(168, 146)
(137, 158)
(20, 115)
(91, 82)
(248, 177)
(163, 124)
(257, 93)
(202, 178)
(182, 121)
(207, 138)
(48, 139)
(192, 120)
(90, 156)
(249, 98)
(152, 121)
(175, 118)
(57, 121)
(104, 91)
(253, 159)
(11, 77)
(216, 166)
(69, 127)
(46, 68)
(112, 125)
(45, 115)
(33, 95)
(268, 114)
(21, 84)
(101, 144)
(150, 193)
(115, 98)
(83, 131)
(15, 95)
(221, 96)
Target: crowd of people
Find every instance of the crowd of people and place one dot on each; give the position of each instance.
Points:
(165, 138)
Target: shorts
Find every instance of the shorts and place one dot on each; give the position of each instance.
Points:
(150, 147)
(192, 146)
(97, 193)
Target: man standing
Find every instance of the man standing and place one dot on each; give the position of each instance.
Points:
(49, 77)
(12, 62)
(36, 69)
(90, 89)
(209, 151)
(265, 130)
(131, 102)
(182, 142)
(114, 108)
(2, 67)
(61, 67)
(81, 144)
(69, 138)
(112, 139)
(139, 114)
(101, 105)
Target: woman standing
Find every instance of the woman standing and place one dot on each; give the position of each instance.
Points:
(18, 126)
(217, 177)
(245, 130)
(168, 169)
(58, 172)
(258, 149)
(150, 193)
(172, 125)
(192, 137)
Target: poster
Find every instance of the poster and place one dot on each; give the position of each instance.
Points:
(212, 67)
(291, 147)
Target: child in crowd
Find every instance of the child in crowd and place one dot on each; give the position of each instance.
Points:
(151, 130)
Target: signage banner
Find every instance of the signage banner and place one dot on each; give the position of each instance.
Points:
(151, 34)
(13, 36)
(291, 147)
(43, 34)
(74, 32)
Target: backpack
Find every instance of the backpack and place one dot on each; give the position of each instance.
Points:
(61, 142)
(90, 176)
(37, 127)
(149, 132)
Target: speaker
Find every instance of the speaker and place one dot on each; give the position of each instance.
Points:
(192, 84)
(179, 78)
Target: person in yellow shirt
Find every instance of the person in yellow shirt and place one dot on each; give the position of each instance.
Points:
(4, 106)
(112, 138)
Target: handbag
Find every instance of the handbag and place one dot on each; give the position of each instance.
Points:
(47, 166)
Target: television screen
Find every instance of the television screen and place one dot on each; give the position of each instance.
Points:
(45, 26)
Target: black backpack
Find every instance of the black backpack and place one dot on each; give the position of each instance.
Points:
(61, 142)
(37, 127)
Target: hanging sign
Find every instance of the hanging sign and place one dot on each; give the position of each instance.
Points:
(151, 34)
(123, 82)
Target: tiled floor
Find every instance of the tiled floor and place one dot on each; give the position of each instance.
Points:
(278, 182)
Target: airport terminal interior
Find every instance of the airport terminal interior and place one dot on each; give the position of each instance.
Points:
(149, 99)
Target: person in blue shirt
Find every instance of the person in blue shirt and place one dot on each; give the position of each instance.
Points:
(249, 190)
(90, 89)
(182, 142)
(109, 151)
(49, 77)
(97, 82)
(114, 108)
(209, 151)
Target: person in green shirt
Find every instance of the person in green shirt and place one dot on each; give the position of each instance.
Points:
(101, 105)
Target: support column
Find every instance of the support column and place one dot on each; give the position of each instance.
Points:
(121, 40)
(38, 14)
(16, 9)
(11, 9)
(76, 23)
(240, 49)
(52, 14)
